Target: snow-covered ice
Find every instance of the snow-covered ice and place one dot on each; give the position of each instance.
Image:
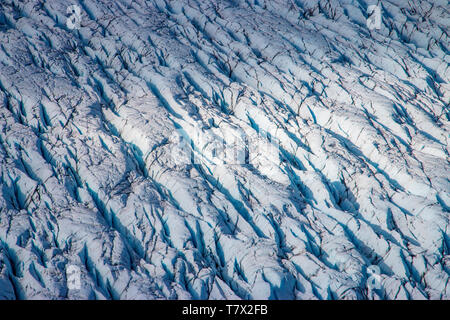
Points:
(224, 149)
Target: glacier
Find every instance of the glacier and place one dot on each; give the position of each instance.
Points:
(224, 149)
